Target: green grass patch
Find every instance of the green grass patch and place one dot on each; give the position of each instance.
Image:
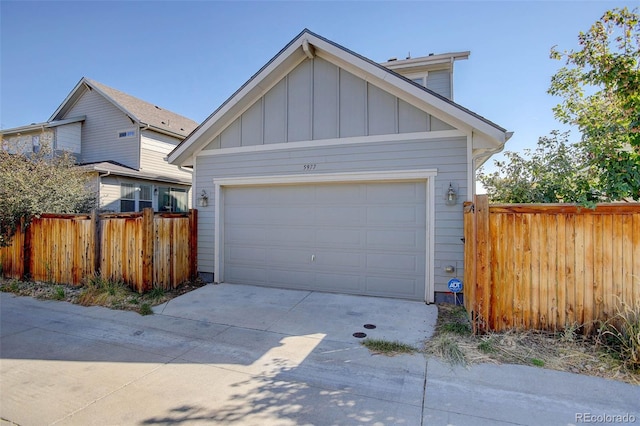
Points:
(59, 293)
(102, 291)
(487, 346)
(387, 347)
(145, 309)
(456, 327)
(537, 362)
(156, 293)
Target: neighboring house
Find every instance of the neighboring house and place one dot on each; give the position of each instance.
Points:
(327, 171)
(120, 138)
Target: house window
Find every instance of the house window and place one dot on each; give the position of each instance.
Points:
(135, 198)
(146, 198)
(172, 199)
(126, 133)
(127, 197)
(35, 143)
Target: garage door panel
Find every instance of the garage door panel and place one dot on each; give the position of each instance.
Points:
(290, 236)
(246, 254)
(393, 239)
(292, 195)
(339, 195)
(346, 238)
(393, 287)
(290, 278)
(289, 215)
(246, 234)
(339, 283)
(344, 216)
(398, 215)
(406, 263)
(246, 275)
(293, 257)
(393, 192)
(241, 215)
(328, 260)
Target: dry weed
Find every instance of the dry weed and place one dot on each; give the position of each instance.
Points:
(563, 351)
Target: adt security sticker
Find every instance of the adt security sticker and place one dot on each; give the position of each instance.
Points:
(455, 285)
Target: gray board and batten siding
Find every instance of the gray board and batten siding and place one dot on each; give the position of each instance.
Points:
(318, 101)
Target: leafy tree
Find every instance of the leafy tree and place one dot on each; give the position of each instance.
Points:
(554, 172)
(40, 183)
(600, 87)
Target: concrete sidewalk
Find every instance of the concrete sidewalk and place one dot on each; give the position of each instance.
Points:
(232, 354)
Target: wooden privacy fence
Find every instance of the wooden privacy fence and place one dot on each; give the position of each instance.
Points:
(548, 266)
(145, 250)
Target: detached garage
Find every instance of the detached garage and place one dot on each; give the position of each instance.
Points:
(329, 172)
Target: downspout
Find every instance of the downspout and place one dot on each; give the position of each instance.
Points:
(100, 185)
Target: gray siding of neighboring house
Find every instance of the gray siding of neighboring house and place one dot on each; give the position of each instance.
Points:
(318, 100)
(440, 82)
(110, 194)
(154, 148)
(100, 129)
(23, 143)
(68, 137)
(447, 155)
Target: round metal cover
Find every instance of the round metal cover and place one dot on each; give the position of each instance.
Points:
(359, 335)
(369, 326)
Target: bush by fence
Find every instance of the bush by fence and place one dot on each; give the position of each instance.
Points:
(547, 266)
(142, 249)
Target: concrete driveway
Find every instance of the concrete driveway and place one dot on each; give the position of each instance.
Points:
(230, 354)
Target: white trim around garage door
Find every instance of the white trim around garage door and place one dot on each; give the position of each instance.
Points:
(426, 175)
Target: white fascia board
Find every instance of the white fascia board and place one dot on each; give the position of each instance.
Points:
(426, 61)
(21, 129)
(441, 134)
(40, 126)
(68, 99)
(406, 91)
(256, 87)
(67, 121)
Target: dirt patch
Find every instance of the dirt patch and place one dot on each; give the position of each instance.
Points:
(563, 351)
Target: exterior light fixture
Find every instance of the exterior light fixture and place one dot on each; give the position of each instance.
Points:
(451, 196)
(203, 199)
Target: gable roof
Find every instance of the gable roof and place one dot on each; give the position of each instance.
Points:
(142, 112)
(490, 136)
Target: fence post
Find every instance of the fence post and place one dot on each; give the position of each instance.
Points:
(483, 264)
(95, 240)
(193, 244)
(147, 250)
(470, 262)
(25, 227)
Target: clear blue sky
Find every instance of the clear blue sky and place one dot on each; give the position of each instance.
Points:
(189, 57)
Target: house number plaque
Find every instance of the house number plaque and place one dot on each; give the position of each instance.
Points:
(309, 167)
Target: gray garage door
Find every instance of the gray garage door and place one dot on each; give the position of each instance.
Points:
(357, 238)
